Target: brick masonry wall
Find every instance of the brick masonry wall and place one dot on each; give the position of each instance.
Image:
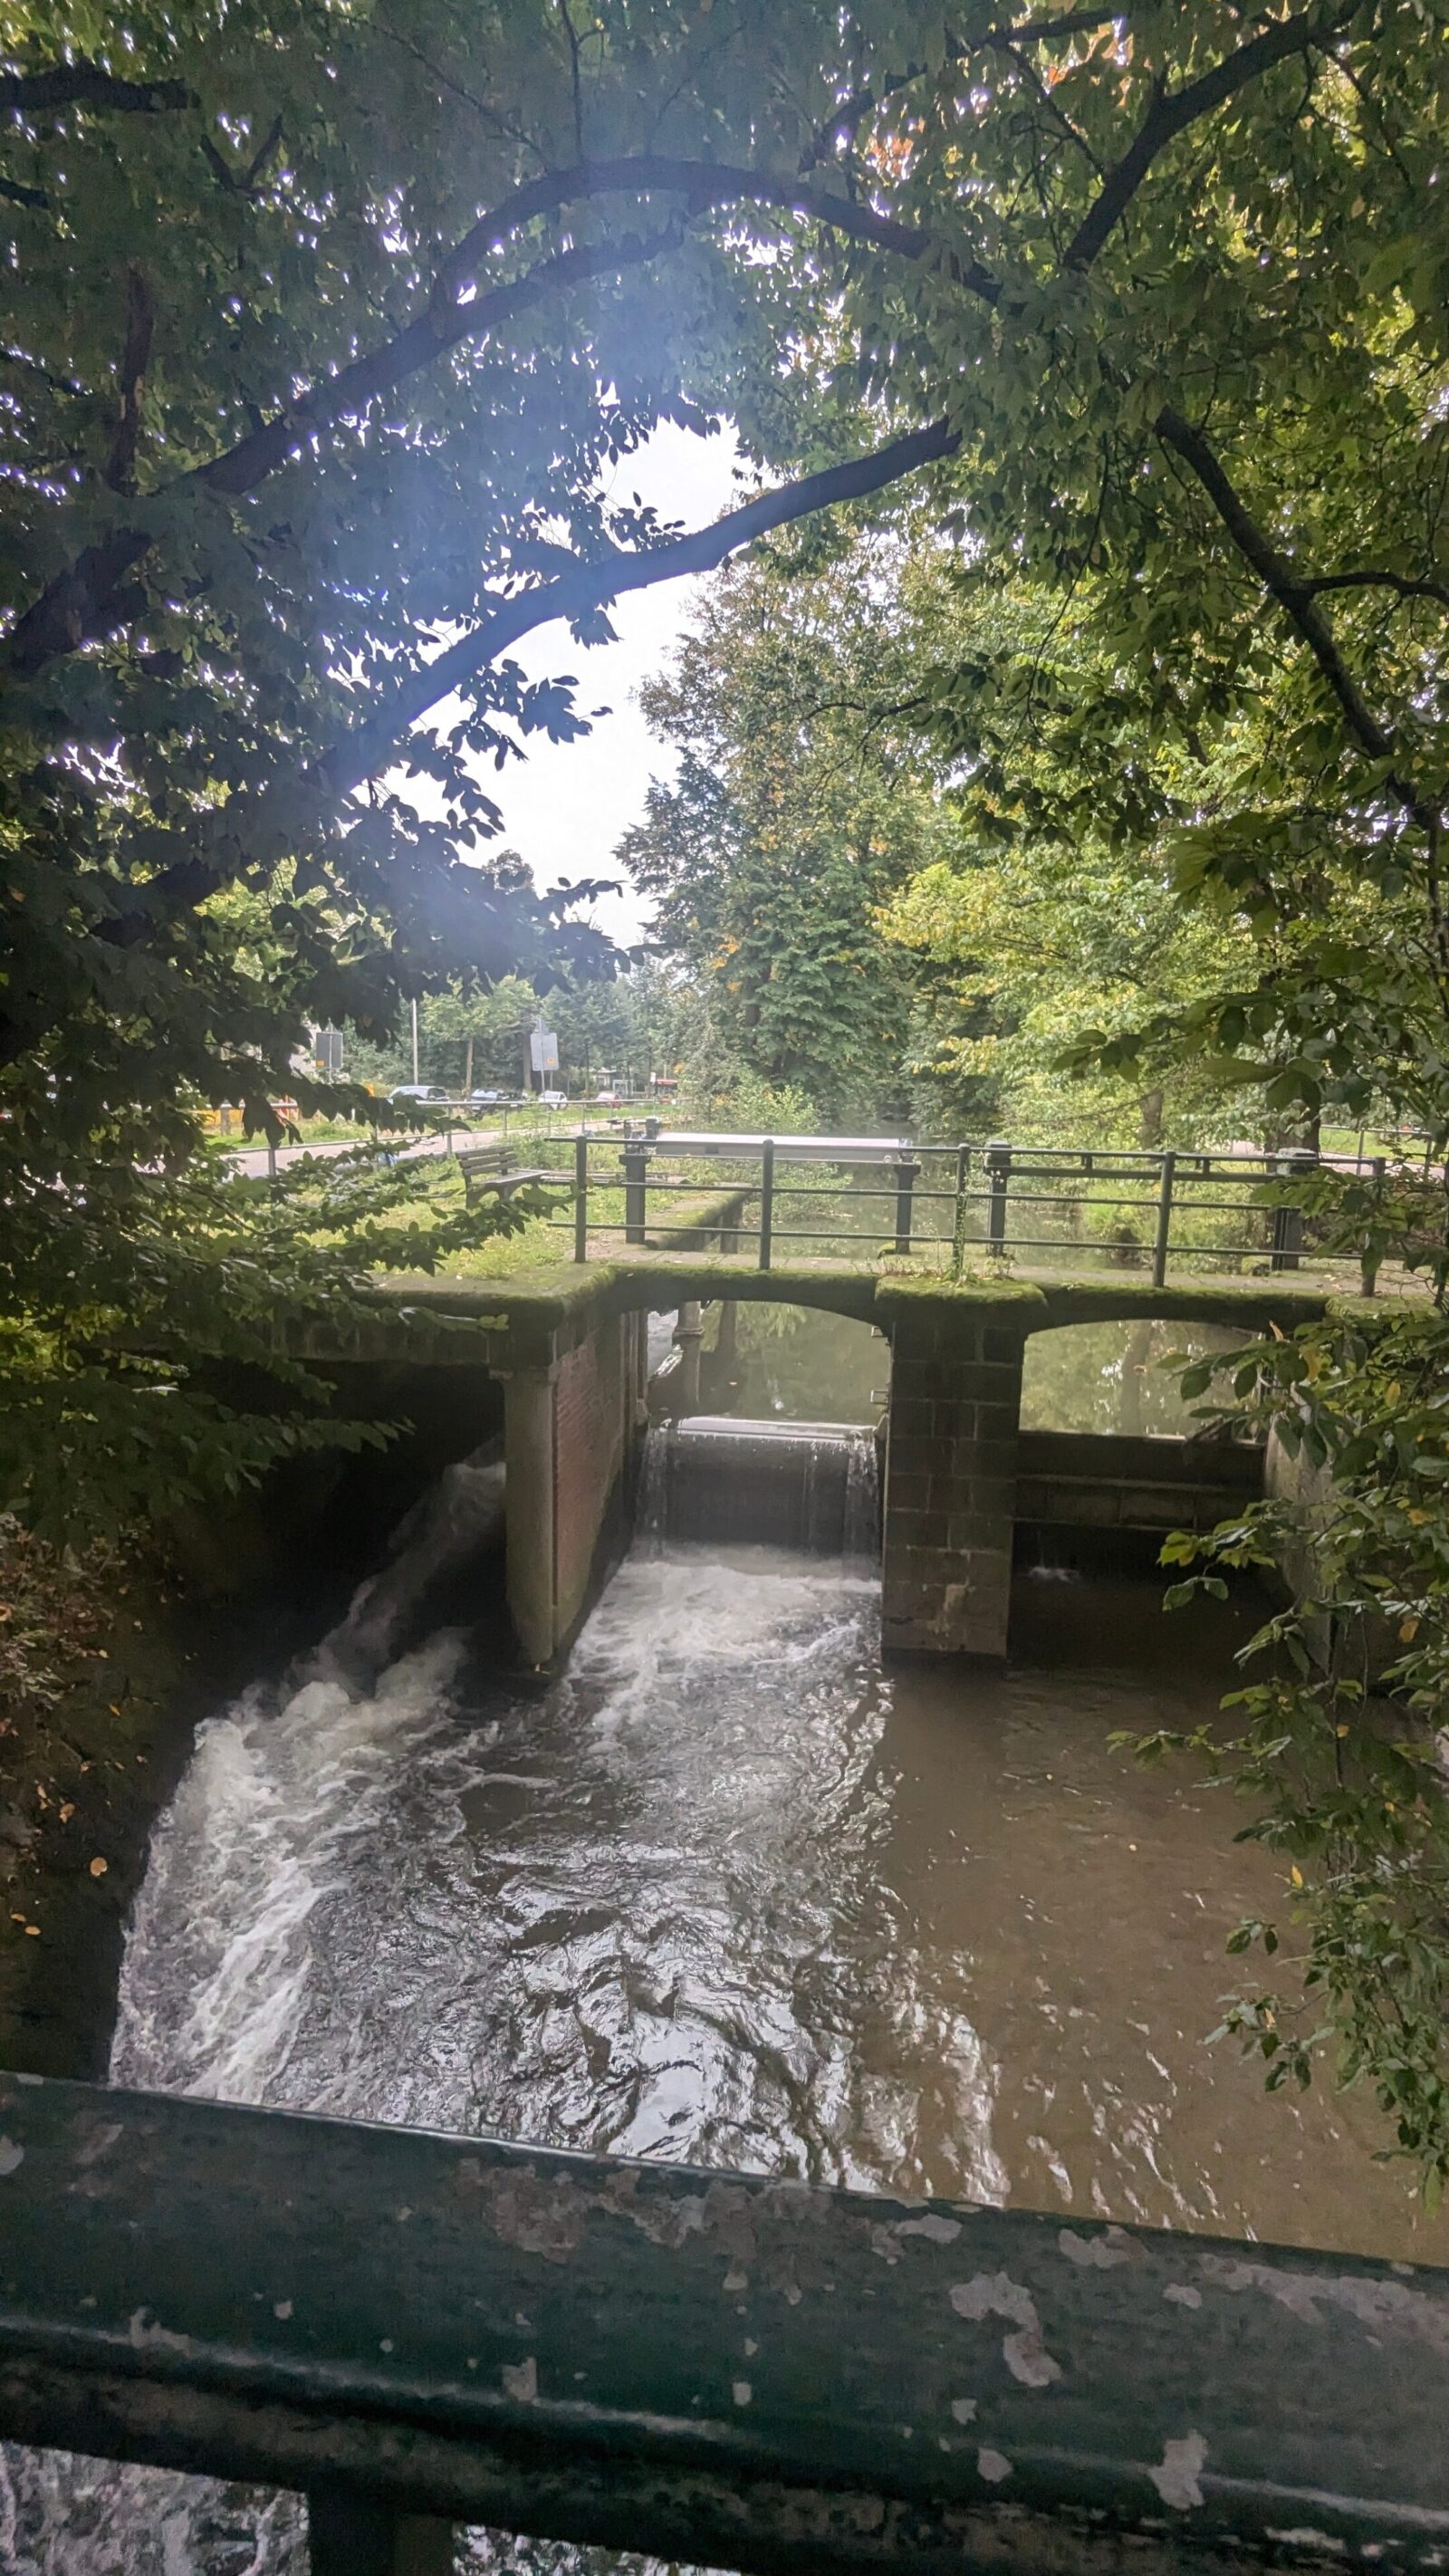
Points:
(950, 1499)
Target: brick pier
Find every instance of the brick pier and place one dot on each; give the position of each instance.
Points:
(951, 1469)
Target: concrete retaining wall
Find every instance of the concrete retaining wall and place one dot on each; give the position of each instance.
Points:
(1107, 1480)
(572, 1417)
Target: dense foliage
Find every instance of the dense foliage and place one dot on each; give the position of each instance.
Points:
(327, 323)
(797, 808)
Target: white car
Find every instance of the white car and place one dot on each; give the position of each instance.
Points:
(553, 1100)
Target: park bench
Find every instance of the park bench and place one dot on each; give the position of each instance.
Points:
(485, 1167)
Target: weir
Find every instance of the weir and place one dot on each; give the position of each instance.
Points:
(572, 1359)
(808, 1485)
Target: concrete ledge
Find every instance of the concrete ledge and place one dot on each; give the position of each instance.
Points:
(658, 1279)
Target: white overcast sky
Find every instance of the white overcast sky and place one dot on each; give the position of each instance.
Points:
(566, 805)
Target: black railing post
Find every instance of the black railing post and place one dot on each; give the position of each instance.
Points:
(908, 1172)
(351, 2535)
(958, 1230)
(1164, 1219)
(767, 1199)
(636, 1188)
(1288, 1221)
(998, 1165)
(1371, 1255)
(581, 1198)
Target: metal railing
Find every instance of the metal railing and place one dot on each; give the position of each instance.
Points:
(726, 2370)
(870, 1199)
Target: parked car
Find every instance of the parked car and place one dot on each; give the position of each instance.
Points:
(424, 1091)
(608, 1100)
(553, 1099)
(491, 1099)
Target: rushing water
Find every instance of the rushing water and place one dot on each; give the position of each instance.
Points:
(726, 1893)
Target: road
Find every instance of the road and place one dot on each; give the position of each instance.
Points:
(253, 1159)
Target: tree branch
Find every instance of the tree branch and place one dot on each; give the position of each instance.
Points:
(1168, 116)
(703, 184)
(1396, 581)
(860, 103)
(89, 85)
(1295, 596)
(140, 324)
(368, 747)
(78, 605)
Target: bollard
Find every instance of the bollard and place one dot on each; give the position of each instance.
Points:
(636, 1185)
(908, 1172)
(998, 1165)
(1288, 1221)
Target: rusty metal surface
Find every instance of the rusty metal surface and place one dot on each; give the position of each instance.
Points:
(743, 2372)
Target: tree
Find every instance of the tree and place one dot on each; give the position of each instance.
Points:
(307, 420)
(791, 818)
(308, 415)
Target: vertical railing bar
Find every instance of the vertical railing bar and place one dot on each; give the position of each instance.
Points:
(998, 1164)
(581, 1198)
(349, 2534)
(1164, 1219)
(1368, 1262)
(767, 1199)
(958, 1234)
(907, 1172)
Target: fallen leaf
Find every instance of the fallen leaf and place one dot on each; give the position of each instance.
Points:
(32, 1931)
(99, 1867)
(67, 1811)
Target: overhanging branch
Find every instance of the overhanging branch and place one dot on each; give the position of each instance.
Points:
(89, 85)
(1170, 115)
(1296, 596)
(368, 747)
(77, 606)
(593, 585)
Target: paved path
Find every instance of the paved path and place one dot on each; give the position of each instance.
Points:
(253, 1160)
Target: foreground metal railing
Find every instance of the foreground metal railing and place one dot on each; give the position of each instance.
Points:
(421, 2331)
(870, 1197)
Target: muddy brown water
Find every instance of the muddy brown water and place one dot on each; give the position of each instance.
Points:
(732, 1894)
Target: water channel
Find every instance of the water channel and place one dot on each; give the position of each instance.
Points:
(730, 1893)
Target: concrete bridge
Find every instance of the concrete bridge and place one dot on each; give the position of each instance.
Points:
(568, 1348)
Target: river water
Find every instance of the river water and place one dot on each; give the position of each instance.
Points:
(728, 1893)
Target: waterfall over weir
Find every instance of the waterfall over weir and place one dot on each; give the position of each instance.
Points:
(810, 1486)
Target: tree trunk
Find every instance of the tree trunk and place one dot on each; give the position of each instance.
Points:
(1149, 1120)
(468, 1068)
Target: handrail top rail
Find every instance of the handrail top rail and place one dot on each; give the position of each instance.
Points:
(852, 2377)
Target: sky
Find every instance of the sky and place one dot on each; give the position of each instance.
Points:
(566, 805)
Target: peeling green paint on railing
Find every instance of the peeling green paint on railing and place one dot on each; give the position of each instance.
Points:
(746, 2373)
